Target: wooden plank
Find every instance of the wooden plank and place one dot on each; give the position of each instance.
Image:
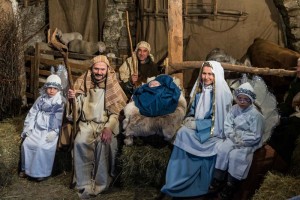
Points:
(50, 62)
(79, 66)
(45, 72)
(71, 55)
(32, 65)
(175, 33)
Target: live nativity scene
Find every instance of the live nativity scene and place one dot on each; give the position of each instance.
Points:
(139, 99)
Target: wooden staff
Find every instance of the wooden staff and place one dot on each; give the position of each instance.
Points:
(63, 49)
(135, 70)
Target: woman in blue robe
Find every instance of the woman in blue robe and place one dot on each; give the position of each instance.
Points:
(193, 158)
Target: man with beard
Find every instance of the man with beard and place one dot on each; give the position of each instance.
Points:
(99, 100)
(145, 68)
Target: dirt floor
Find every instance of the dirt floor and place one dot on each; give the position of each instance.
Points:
(55, 187)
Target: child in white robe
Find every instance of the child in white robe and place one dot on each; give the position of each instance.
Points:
(243, 128)
(41, 129)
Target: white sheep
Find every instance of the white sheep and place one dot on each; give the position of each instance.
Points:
(85, 47)
(65, 38)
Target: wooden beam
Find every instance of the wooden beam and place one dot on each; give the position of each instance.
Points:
(35, 72)
(215, 7)
(175, 33)
(175, 67)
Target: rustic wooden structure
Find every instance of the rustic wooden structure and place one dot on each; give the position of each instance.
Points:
(36, 72)
(37, 67)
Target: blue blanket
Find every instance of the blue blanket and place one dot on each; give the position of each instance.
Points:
(157, 101)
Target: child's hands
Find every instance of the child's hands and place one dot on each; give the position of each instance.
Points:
(239, 141)
(231, 136)
(51, 136)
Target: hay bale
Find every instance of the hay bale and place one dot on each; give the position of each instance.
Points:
(144, 166)
(10, 130)
(278, 186)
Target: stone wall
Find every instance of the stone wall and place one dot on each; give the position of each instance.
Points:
(34, 22)
(115, 34)
(290, 11)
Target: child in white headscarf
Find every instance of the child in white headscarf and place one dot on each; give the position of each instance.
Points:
(41, 129)
(243, 128)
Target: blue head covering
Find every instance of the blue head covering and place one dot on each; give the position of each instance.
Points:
(157, 101)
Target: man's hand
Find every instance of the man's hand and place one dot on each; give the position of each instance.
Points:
(71, 94)
(106, 135)
(190, 123)
(134, 78)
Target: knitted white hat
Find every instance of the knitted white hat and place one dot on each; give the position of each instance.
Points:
(143, 44)
(53, 81)
(246, 89)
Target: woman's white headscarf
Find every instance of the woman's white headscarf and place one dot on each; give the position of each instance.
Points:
(222, 97)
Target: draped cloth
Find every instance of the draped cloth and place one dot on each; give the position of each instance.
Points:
(85, 17)
(115, 98)
(204, 102)
(157, 101)
(192, 161)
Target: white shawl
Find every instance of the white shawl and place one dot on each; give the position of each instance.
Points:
(222, 101)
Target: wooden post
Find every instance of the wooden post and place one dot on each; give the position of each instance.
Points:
(215, 7)
(175, 33)
(31, 77)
